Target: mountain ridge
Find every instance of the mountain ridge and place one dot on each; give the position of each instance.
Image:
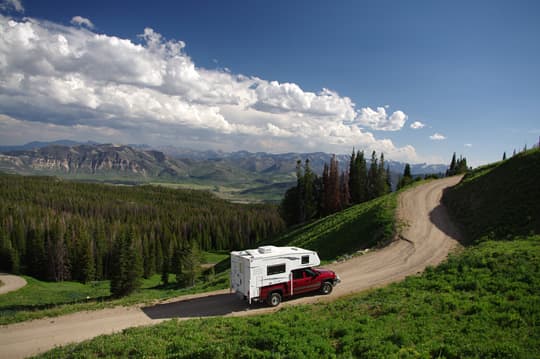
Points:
(248, 174)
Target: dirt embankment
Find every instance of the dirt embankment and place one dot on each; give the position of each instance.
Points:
(426, 240)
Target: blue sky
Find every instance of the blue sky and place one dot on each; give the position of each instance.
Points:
(251, 75)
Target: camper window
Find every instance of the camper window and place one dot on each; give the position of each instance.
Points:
(305, 259)
(275, 269)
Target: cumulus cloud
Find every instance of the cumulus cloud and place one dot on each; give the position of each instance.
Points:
(82, 21)
(417, 125)
(380, 120)
(437, 137)
(64, 77)
(12, 5)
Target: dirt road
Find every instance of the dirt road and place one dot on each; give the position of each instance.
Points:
(11, 282)
(426, 240)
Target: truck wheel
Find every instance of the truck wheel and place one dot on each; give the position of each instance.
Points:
(326, 288)
(274, 299)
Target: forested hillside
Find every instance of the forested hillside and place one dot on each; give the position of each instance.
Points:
(58, 230)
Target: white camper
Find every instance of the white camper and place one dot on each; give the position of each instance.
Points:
(254, 269)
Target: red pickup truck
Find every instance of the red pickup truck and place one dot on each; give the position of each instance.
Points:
(303, 281)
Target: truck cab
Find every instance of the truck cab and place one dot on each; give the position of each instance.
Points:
(304, 280)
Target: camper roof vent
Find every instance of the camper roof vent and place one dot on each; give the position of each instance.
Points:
(265, 249)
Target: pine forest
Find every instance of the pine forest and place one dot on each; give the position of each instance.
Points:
(59, 230)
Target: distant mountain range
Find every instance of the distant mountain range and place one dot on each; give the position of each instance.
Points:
(237, 174)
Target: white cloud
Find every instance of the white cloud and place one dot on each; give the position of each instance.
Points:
(72, 80)
(12, 5)
(417, 125)
(469, 145)
(437, 137)
(379, 120)
(82, 21)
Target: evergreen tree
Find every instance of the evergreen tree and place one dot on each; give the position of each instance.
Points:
(300, 190)
(289, 208)
(388, 179)
(345, 196)
(86, 258)
(325, 192)
(362, 181)
(192, 263)
(354, 187)
(452, 169)
(127, 269)
(310, 205)
(373, 177)
(334, 198)
(382, 187)
(177, 264)
(461, 166)
(406, 179)
(504, 156)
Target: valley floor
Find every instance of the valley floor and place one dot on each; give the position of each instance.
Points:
(426, 239)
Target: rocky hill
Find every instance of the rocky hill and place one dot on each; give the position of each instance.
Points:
(105, 159)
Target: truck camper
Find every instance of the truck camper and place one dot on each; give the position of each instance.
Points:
(269, 274)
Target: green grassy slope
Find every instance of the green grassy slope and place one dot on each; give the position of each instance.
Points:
(482, 303)
(362, 226)
(499, 200)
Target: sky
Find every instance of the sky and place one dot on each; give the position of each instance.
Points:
(416, 80)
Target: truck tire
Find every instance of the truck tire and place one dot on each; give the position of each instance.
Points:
(326, 288)
(274, 299)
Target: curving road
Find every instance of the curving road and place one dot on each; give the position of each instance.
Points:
(426, 239)
(11, 282)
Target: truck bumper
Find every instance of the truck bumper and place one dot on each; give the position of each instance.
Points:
(336, 281)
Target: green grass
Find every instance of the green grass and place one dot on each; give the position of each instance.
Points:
(214, 256)
(40, 299)
(499, 200)
(484, 303)
(358, 227)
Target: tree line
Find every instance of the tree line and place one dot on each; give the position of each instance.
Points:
(457, 166)
(58, 230)
(316, 196)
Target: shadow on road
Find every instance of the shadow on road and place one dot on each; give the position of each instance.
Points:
(440, 218)
(213, 305)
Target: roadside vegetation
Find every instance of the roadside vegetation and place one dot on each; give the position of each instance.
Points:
(40, 299)
(482, 303)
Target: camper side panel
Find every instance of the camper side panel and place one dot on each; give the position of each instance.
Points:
(240, 274)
